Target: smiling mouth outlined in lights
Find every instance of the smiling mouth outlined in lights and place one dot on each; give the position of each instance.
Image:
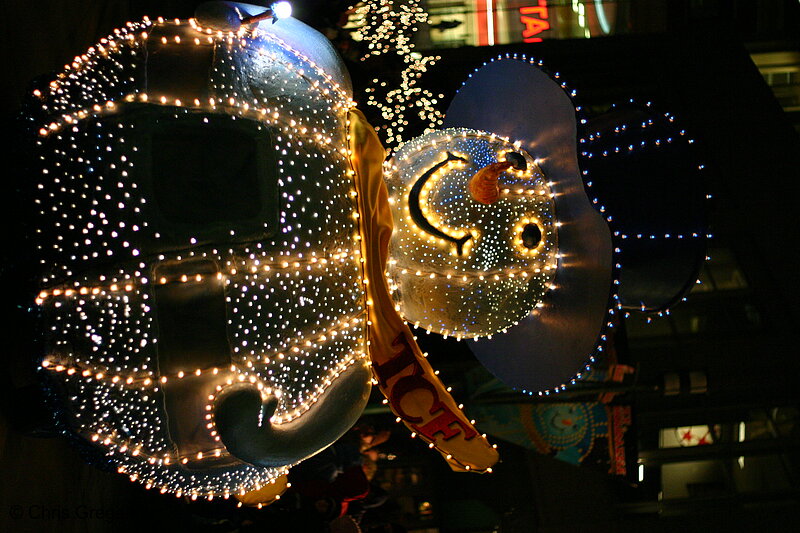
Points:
(415, 209)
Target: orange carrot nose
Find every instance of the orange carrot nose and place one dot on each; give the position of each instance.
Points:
(483, 185)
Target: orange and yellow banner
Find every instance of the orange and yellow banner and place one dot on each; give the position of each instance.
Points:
(415, 393)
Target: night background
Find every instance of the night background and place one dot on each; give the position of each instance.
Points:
(702, 398)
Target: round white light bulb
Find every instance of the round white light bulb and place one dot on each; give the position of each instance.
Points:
(282, 10)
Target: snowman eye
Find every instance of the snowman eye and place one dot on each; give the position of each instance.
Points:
(517, 160)
(528, 236)
(531, 236)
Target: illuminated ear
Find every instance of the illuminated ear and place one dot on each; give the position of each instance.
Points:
(644, 182)
(415, 394)
(645, 176)
(553, 342)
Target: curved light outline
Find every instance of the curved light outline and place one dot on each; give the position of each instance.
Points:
(415, 209)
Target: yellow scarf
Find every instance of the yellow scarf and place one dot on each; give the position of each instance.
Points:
(415, 393)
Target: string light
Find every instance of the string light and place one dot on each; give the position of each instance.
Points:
(388, 27)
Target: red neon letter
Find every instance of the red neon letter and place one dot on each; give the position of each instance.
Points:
(533, 26)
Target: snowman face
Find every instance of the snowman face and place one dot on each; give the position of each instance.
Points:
(196, 234)
(562, 426)
(461, 267)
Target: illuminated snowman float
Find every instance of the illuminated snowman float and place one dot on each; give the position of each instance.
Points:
(224, 271)
(203, 224)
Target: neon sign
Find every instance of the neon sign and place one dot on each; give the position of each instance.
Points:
(535, 20)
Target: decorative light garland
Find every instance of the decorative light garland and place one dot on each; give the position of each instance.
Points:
(593, 138)
(388, 26)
